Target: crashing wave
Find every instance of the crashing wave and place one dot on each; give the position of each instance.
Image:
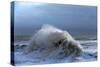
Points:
(66, 50)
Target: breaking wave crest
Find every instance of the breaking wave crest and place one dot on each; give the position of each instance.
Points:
(56, 56)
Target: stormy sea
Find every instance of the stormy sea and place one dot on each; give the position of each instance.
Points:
(80, 21)
(36, 57)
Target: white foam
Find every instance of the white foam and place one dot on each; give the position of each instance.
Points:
(57, 55)
(36, 57)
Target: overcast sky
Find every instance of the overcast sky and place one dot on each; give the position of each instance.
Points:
(30, 16)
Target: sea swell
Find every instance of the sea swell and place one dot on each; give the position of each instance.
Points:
(36, 57)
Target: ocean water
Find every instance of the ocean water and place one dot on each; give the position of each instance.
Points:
(39, 56)
(36, 57)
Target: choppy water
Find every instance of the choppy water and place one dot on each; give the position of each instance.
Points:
(36, 57)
